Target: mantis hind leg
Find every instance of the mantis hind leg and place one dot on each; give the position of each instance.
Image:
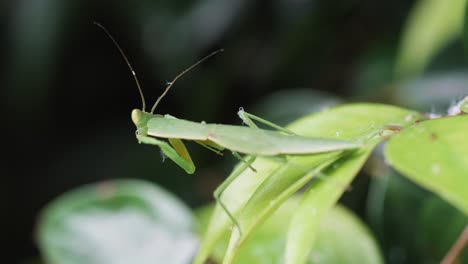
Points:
(219, 191)
(248, 118)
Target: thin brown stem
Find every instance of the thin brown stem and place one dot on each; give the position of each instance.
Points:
(457, 248)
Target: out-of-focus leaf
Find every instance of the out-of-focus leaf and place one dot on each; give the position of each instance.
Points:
(343, 238)
(412, 225)
(465, 30)
(431, 25)
(338, 228)
(252, 197)
(393, 209)
(374, 72)
(464, 105)
(36, 28)
(436, 239)
(119, 221)
(433, 93)
(434, 154)
(183, 34)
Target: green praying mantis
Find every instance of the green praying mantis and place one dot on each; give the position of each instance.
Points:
(250, 140)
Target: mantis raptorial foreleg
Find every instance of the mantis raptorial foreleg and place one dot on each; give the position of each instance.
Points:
(248, 118)
(177, 152)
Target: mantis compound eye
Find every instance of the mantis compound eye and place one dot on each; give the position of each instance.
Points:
(136, 116)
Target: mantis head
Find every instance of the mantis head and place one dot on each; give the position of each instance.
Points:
(140, 118)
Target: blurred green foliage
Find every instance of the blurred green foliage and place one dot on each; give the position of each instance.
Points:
(67, 94)
(129, 221)
(267, 242)
(117, 221)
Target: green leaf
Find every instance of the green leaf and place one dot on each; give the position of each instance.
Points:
(343, 238)
(316, 203)
(431, 25)
(434, 154)
(252, 197)
(338, 228)
(119, 221)
(271, 185)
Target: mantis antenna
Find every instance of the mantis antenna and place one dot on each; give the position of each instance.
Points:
(128, 64)
(169, 85)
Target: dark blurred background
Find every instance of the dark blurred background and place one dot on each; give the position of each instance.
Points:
(67, 93)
